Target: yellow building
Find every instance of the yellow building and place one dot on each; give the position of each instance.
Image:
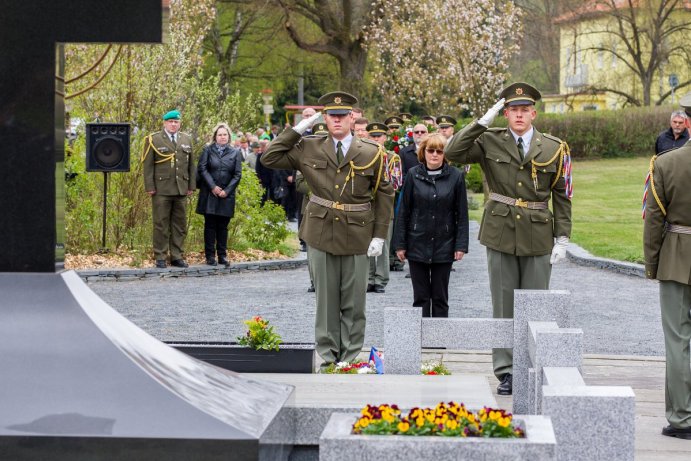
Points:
(595, 64)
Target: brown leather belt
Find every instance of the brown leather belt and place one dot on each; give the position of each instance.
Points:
(678, 228)
(518, 202)
(340, 206)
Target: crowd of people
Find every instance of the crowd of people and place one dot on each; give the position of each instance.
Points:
(366, 205)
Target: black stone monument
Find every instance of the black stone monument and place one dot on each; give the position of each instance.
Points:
(77, 380)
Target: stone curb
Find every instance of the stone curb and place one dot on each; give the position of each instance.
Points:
(578, 255)
(126, 275)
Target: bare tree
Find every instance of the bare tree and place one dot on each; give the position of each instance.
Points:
(341, 25)
(645, 36)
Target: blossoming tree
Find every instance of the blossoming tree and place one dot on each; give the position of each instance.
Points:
(446, 55)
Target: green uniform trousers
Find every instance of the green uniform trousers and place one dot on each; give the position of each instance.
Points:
(675, 303)
(508, 272)
(340, 283)
(379, 265)
(170, 225)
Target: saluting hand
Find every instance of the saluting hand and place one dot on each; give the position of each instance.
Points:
(487, 119)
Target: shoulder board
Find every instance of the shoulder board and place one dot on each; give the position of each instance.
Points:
(553, 138)
(156, 132)
(310, 136)
(496, 130)
(369, 141)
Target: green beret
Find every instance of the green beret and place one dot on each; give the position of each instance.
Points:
(172, 115)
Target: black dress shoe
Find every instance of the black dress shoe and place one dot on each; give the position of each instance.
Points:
(303, 247)
(379, 289)
(223, 260)
(407, 276)
(179, 263)
(678, 432)
(311, 289)
(370, 288)
(161, 263)
(211, 262)
(505, 387)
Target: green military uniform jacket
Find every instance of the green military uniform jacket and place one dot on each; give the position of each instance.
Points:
(668, 254)
(332, 230)
(513, 229)
(168, 169)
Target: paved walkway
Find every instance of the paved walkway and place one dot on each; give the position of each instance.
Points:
(619, 315)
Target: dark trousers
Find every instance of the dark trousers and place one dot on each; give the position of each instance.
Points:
(431, 287)
(215, 235)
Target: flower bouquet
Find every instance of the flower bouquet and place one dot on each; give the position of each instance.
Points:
(446, 419)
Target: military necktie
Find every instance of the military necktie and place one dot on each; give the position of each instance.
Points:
(339, 152)
(172, 138)
(521, 150)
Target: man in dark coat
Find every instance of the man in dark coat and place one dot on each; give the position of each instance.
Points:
(675, 136)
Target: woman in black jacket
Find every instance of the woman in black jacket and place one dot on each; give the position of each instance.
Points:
(432, 226)
(219, 171)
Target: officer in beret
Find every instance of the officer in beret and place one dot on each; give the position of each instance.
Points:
(667, 252)
(446, 125)
(169, 178)
(393, 123)
(525, 169)
(346, 220)
(379, 266)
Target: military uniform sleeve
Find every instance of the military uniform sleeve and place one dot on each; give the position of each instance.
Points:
(654, 225)
(148, 156)
(561, 208)
(383, 204)
(283, 152)
(191, 166)
(466, 145)
(462, 226)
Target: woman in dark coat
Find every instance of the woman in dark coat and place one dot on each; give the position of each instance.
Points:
(219, 171)
(432, 226)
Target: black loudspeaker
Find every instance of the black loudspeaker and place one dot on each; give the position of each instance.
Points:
(107, 147)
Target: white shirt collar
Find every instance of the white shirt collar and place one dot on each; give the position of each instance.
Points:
(527, 138)
(345, 142)
(170, 134)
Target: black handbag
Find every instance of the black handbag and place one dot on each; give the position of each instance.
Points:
(280, 192)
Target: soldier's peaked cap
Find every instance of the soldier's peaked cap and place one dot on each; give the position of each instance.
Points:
(338, 102)
(406, 116)
(393, 122)
(320, 129)
(445, 121)
(685, 102)
(520, 94)
(376, 128)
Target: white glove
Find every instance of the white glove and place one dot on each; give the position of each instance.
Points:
(375, 247)
(487, 119)
(559, 250)
(306, 123)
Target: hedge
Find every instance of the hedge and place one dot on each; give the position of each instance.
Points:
(627, 132)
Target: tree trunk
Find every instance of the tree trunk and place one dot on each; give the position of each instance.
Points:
(352, 69)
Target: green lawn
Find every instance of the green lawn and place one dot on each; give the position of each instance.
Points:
(606, 207)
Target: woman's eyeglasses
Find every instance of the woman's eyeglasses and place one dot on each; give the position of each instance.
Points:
(434, 151)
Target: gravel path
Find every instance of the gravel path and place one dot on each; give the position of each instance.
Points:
(619, 314)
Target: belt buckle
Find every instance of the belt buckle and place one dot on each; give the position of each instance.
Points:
(521, 203)
(338, 206)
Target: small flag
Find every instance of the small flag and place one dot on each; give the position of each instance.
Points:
(378, 363)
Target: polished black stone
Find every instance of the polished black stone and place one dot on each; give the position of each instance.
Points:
(31, 112)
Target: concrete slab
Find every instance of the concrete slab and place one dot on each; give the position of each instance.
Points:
(339, 391)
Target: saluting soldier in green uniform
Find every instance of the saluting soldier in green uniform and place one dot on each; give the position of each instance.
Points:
(169, 177)
(667, 251)
(346, 220)
(524, 170)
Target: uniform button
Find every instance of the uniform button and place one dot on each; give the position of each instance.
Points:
(435, 195)
(518, 216)
(520, 184)
(337, 218)
(497, 160)
(314, 166)
(520, 167)
(336, 186)
(338, 171)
